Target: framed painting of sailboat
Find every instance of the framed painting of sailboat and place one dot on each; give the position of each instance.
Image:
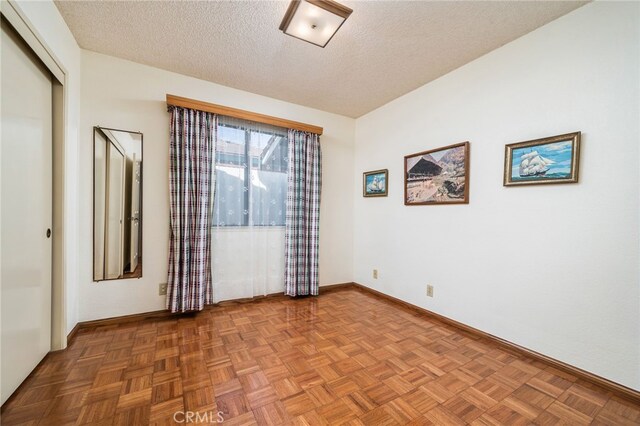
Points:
(549, 160)
(374, 184)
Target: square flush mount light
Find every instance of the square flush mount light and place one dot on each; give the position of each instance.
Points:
(314, 21)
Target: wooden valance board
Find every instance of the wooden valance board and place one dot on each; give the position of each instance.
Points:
(242, 114)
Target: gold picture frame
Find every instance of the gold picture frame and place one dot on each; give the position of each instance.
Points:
(375, 183)
(551, 160)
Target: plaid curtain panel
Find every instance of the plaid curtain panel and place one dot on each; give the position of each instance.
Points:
(304, 181)
(191, 187)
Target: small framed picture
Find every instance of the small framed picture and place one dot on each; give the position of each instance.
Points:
(374, 184)
(437, 176)
(548, 160)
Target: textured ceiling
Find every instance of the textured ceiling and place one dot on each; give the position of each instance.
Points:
(384, 50)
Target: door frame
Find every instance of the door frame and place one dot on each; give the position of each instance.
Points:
(134, 249)
(60, 101)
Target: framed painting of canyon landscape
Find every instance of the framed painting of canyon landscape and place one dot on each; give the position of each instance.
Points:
(438, 176)
(549, 160)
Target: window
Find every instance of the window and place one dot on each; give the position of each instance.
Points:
(251, 174)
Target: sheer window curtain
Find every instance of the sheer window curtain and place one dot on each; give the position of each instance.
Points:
(191, 183)
(249, 209)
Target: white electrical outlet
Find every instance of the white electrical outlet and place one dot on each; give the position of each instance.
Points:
(429, 290)
(162, 289)
(375, 274)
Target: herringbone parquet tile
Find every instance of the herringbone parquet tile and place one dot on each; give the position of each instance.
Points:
(344, 358)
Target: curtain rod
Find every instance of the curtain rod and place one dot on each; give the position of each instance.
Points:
(240, 113)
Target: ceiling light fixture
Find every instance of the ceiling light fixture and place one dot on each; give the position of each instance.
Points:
(314, 21)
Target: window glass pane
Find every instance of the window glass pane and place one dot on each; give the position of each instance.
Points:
(229, 201)
(251, 180)
(230, 146)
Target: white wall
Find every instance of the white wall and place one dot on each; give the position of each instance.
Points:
(54, 33)
(129, 96)
(552, 268)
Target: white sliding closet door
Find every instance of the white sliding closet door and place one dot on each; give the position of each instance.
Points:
(25, 210)
(115, 208)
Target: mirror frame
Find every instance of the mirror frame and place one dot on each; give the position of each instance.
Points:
(93, 202)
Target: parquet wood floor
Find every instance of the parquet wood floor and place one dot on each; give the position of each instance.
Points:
(345, 358)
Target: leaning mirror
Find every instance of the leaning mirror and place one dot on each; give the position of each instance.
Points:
(117, 204)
